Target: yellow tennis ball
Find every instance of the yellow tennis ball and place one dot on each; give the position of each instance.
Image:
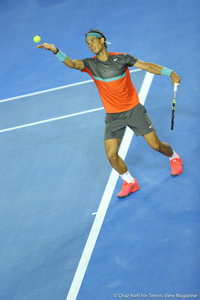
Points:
(37, 39)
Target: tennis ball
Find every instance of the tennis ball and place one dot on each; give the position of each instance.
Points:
(37, 39)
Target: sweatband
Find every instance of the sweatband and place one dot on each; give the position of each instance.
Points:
(98, 35)
(61, 56)
(166, 71)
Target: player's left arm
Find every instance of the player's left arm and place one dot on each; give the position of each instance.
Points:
(156, 69)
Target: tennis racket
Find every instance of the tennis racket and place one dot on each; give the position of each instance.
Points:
(174, 105)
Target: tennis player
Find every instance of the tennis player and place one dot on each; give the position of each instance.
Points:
(110, 72)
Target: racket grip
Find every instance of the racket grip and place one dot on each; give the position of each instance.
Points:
(176, 84)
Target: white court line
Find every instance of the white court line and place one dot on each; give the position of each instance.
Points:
(51, 120)
(54, 89)
(96, 227)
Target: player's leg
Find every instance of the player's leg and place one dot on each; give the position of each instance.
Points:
(112, 147)
(130, 184)
(154, 142)
(164, 148)
(115, 125)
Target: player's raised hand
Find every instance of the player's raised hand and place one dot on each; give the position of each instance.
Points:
(48, 47)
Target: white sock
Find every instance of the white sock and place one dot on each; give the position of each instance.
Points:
(127, 177)
(174, 155)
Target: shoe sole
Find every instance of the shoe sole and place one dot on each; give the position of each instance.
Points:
(178, 173)
(136, 188)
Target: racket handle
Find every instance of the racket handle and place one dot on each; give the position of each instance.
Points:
(176, 84)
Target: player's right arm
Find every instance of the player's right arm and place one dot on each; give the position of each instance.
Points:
(156, 69)
(74, 64)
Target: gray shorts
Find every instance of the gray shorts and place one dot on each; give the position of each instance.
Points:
(136, 118)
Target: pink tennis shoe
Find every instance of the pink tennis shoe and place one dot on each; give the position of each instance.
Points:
(176, 166)
(128, 188)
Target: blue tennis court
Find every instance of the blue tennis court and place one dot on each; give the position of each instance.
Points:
(64, 233)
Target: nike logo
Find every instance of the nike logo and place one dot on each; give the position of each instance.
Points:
(151, 126)
(115, 59)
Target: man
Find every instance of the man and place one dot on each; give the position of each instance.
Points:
(110, 73)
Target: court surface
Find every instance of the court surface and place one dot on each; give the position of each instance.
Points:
(64, 233)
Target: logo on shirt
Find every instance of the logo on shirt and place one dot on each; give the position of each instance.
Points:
(115, 59)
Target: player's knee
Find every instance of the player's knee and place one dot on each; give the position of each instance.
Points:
(112, 157)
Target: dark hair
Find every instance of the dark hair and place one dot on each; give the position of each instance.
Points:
(97, 31)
